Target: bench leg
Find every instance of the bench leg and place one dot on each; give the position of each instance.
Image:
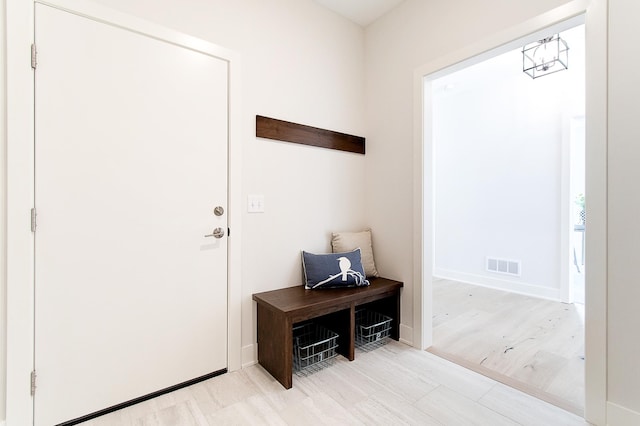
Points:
(275, 345)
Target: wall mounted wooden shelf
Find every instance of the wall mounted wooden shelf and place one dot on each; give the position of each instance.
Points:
(270, 128)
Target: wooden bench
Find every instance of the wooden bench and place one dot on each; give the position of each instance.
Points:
(279, 310)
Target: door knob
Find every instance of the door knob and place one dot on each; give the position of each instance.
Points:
(217, 233)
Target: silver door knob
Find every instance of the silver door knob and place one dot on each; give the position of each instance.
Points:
(217, 233)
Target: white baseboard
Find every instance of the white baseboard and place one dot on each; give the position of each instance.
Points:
(406, 335)
(500, 284)
(618, 415)
(249, 355)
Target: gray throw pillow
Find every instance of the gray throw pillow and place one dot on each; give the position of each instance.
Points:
(347, 241)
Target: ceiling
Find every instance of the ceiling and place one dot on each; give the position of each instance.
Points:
(362, 12)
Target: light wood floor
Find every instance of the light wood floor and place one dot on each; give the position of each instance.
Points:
(392, 385)
(533, 344)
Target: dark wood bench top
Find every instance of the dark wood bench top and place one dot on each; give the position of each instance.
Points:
(297, 301)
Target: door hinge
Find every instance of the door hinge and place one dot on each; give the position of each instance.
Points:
(34, 56)
(33, 382)
(33, 220)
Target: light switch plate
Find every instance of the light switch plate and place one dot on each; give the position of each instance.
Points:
(255, 203)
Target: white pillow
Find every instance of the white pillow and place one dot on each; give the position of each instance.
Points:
(348, 241)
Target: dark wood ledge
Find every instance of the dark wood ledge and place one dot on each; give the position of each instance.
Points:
(270, 128)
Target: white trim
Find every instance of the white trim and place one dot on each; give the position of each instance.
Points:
(618, 415)
(19, 30)
(496, 283)
(99, 13)
(234, 271)
(596, 42)
(594, 13)
(422, 229)
(19, 33)
(3, 230)
(249, 355)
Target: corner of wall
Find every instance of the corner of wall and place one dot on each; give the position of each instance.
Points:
(406, 334)
(249, 355)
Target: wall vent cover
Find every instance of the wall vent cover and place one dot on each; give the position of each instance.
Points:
(503, 266)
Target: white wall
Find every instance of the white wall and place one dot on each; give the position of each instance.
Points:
(301, 63)
(413, 34)
(624, 208)
(498, 138)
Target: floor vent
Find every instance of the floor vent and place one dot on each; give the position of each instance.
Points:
(503, 266)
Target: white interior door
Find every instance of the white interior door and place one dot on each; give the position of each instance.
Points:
(131, 160)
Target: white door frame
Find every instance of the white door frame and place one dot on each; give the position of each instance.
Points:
(595, 15)
(20, 186)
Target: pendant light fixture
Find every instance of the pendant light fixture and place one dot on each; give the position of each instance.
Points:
(546, 56)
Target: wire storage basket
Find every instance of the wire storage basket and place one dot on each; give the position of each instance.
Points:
(313, 347)
(372, 329)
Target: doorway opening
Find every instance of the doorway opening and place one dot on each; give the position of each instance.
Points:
(508, 220)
